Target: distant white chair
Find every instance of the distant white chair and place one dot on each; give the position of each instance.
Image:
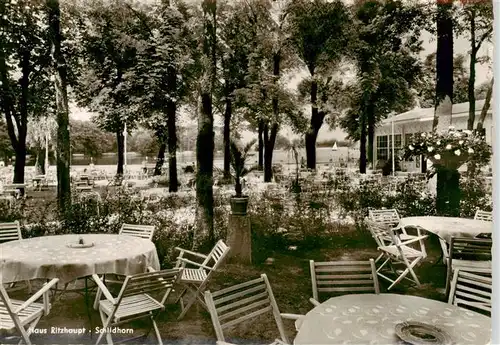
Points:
(471, 290)
(138, 230)
(484, 215)
(23, 316)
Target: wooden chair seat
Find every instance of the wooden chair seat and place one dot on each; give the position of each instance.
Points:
(407, 251)
(193, 275)
(131, 305)
(26, 315)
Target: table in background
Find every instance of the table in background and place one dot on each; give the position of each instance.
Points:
(448, 227)
(50, 257)
(371, 319)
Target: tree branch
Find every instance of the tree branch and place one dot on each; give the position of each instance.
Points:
(483, 38)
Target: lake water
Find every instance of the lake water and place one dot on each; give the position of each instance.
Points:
(323, 155)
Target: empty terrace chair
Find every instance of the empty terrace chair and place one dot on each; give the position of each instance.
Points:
(483, 215)
(143, 231)
(471, 290)
(136, 300)
(397, 252)
(343, 276)
(242, 302)
(195, 279)
(10, 231)
(389, 217)
(23, 316)
(469, 254)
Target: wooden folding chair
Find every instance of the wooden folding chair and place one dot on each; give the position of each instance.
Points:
(468, 253)
(11, 231)
(136, 300)
(471, 290)
(195, 280)
(484, 215)
(137, 230)
(343, 276)
(390, 218)
(233, 305)
(23, 316)
(400, 253)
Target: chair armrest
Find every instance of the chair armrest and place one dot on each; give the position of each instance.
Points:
(314, 302)
(416, 239)
(103, 288)
(190, 252)
(291, 316)
(194, 263)
(45, 289)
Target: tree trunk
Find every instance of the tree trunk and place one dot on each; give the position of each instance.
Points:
(204, 176)
(362, 147)
(160, 159)
(261, 145)
(40, 161)
(120, 143)
(444, 67)
(472, 74)
(227, 138)
(269, 141)
(448, 192)
(173, 182)
(204, 235)
(62, 110)
(317, 118)
(486, 107)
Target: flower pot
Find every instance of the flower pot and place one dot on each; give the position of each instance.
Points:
(239, 205)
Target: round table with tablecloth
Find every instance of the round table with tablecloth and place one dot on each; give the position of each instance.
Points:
(371, 319)
(448, 227)
(50, 257)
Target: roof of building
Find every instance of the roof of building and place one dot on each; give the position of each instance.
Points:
(427, 114)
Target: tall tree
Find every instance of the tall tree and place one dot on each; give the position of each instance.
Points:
(444, 66)
(385, 51)
(24, 62)
(319, 32)
(62, 111)
(477, 22)
(205, 138)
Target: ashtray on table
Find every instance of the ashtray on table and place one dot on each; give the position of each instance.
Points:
(419, 333)
(80, 245)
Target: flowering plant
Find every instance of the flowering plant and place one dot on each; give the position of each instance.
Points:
(450, 149)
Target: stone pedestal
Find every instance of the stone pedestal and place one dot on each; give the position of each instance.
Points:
(239, 238)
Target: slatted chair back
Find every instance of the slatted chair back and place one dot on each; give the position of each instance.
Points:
(233, 305)
(471, 290)
(6, 307)
(10, 231)
(343, 276)
(484, 215)
(150, 283)
(137, 230)
(389, 216)
(378, 231)
(216, 256)
(475, 249)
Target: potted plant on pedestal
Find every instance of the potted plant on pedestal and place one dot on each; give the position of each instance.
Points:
(239, 202)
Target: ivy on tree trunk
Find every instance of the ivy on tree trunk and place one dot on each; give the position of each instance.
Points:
(160, 159)
(120, 141)
(448, 192)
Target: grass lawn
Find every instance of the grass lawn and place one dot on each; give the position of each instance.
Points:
(290, 280)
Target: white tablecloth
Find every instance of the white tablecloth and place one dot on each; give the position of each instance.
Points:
(448, 227)
(49, 257)
(371, 319)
